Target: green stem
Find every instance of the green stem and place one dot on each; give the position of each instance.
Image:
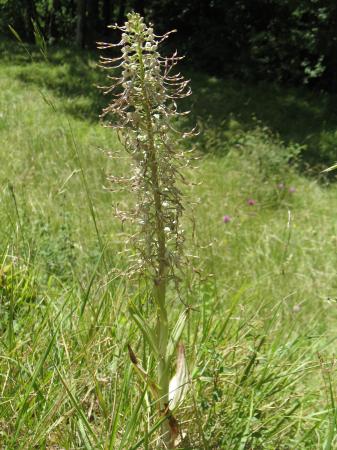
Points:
(160, 282)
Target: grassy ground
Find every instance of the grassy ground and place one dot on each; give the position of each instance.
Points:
(261, 337)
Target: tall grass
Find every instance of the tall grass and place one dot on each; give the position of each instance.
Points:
(261, 337)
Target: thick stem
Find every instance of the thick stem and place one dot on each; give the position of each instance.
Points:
(160, 282)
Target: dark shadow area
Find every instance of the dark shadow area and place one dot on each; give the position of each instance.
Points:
(69, 73)
(299, 115)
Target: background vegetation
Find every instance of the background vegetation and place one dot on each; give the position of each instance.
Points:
(287, 42)
(261, 336)
(283, 40)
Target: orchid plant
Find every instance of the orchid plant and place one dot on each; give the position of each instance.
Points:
(143, 110)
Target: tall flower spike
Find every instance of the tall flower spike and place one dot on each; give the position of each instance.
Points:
(143, 111)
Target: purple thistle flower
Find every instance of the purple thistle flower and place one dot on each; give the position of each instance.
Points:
(226, 219)
(251, 202)
(292, 189)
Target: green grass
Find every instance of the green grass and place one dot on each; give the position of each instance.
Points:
(261, 334)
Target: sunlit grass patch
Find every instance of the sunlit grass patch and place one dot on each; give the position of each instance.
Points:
(261, 337)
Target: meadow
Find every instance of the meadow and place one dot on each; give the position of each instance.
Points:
(260, 218)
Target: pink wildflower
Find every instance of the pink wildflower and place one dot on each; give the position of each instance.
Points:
(251, 202)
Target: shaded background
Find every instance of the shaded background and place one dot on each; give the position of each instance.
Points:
(292, 41)
(268, 61)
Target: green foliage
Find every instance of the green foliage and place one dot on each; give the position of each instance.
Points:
(275, 40)
(267, 151)
(18, 298)
(304, 121)
(56, 247)
(263, 294)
